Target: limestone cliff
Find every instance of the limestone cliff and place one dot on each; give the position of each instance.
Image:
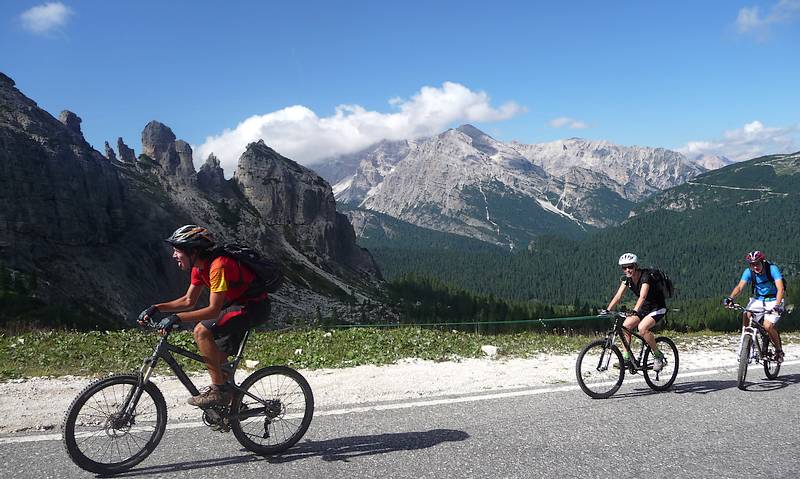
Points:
(92, 227)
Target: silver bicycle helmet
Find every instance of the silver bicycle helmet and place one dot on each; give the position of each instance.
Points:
(190, 237)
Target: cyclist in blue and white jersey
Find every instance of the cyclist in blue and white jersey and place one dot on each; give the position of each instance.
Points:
(767, 295)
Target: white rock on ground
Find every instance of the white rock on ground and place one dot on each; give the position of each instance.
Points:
(489, 350)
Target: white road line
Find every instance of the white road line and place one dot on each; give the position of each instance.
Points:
(407, 405)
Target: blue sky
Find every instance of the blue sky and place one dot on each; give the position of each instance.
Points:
(319, 78)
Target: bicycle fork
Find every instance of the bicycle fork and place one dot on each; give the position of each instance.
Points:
(752, 355)
(128, 409)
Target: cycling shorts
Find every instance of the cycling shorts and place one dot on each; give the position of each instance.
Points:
(233, 322)
(761, 304)
(657, 314)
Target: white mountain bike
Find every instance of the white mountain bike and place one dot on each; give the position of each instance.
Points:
(755, 347)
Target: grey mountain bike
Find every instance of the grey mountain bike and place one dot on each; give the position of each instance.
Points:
(601, 370)
(755, 347)
(116, 422)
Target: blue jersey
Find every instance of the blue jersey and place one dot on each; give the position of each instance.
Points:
(764, 287)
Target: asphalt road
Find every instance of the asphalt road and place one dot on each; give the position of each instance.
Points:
(703, 427)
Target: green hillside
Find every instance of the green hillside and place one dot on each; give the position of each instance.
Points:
(701, 244)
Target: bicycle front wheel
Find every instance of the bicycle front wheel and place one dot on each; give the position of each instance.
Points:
(661, 380)
(104, 433)
(744, 358)
(771, 366)
(273, 410)
(600, 369)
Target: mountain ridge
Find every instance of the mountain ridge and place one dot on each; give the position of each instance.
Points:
(462, 180)
(92, 227)
(698, 232)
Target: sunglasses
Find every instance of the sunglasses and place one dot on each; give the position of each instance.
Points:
(628, 266)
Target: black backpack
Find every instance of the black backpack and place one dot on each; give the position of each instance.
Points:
(661, 281)
(767, 268)
(269, 273)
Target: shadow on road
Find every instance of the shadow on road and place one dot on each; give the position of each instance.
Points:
(704, 387)
(346, 448)
(639, 392)
(772, 384)
(763, 385)
(155, 471)
(341, 449)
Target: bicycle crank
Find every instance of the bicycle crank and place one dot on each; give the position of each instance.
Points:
(217, 419)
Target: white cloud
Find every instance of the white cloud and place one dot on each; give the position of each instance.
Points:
(44, 18)
(298, 133)
(748, 142)
(751, 20)
(565, 121)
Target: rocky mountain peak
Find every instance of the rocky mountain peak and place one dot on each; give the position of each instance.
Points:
(186, 166)
(212, 162)
(45, 196)
(472, 132)
(464, 181)
(157, 139)
(260, 156)
(64, 206)
(287, 194)
(6, 80)
(174, 156)
(211, 175)
(71, 121)
(126, 154)
(110, 152)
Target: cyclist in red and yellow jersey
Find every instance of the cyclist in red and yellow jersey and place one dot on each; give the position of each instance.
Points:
(220, 326)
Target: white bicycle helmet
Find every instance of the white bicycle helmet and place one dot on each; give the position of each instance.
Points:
(628, 258)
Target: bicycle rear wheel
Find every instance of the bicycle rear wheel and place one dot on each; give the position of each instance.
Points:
(273, 411)
(600, 369)
(663, 379)
(744, 358)
(97, 434)
(771, 366)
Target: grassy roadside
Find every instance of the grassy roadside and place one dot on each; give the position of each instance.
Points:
(59, 353)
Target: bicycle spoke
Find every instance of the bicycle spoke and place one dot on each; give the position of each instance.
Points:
(101, 438)
(664, 378)
(599, 369)
(281, 411)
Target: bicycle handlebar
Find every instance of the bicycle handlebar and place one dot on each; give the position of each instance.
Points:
(739, 307)
(612, 313)
(153, 324)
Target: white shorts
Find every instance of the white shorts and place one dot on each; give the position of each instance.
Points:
(760, 305)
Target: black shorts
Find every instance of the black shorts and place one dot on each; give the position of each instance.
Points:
(231, 325)
(657, 313)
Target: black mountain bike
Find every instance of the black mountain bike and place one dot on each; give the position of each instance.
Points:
(116, 422)
(755, 347)
(601, 370)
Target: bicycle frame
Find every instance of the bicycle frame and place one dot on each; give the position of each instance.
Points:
(164, 350)
(753, 330)
(618, 331)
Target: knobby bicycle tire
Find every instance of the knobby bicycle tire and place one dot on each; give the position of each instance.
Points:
(91, 419)
(595, 370)
(661, 380)
(280, 415)
(771, 366)
(744, 358)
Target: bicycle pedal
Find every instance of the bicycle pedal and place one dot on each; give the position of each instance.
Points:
(225, 424)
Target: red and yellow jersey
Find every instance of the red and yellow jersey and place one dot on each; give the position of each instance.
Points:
(224, 275)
